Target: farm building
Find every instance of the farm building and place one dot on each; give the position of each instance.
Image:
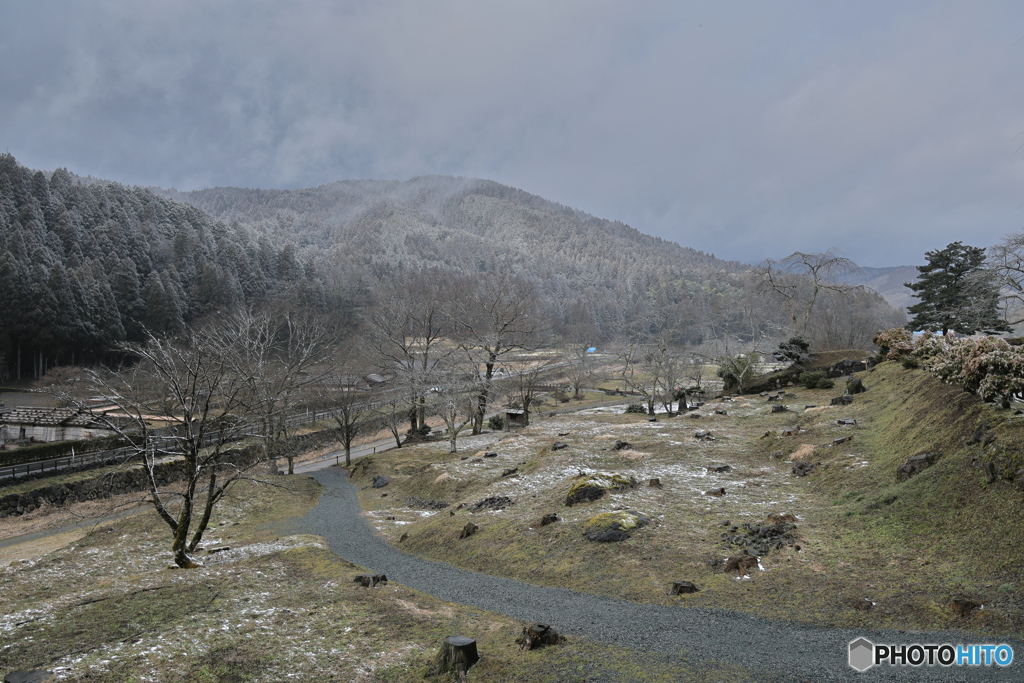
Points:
(49, 424)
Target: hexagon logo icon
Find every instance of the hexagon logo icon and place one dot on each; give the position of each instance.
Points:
(862, 654)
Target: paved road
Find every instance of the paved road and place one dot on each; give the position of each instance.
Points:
(776, 651)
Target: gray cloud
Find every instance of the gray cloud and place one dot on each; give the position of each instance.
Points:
(748, 130)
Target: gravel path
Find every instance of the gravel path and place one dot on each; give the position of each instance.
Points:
(775, 651)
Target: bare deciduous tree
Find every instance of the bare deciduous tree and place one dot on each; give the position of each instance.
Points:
(526, 379)
(579, 367)
(799, 279)
(1007, 260)
(409, 330)
(193, 387)
(494, 315)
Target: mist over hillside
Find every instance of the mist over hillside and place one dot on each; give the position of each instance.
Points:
(597, 278)
(888, 282)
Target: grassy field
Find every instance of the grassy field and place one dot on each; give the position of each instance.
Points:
(106, 606)
(908, 547)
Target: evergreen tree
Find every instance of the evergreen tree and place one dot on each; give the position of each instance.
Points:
(956, 293)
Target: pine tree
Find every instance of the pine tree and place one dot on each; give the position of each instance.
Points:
(956, 293)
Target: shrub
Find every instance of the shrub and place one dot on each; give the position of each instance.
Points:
(636, 408)
(815, 380)
(796, 350)
(894, 343)
(496, 422)
(910, 363)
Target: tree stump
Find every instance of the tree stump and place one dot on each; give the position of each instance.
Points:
(457, 655)
(536, 636)
(681, 587)
(370, 580)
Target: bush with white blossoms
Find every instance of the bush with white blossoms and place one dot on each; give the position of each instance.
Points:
(987, 366)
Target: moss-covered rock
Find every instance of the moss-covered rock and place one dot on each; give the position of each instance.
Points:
(610, 527)
(594, 486)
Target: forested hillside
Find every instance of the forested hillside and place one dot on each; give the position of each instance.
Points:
(84, 265)
(598, 279)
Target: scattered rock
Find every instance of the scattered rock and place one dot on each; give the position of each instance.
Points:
(509, 472)
(963, 607)
(1018, 480)
(719, 469)
(790, 431)
(652, 419)
(380, 481)
(383, 495)
(443, 477)
(611, 527)
(740, 564)
(694, 416)
(982, 435)
(654, 483)
(420, 503)
(846, 422)
(855, 386)
(773, 398)
(370, 580)
(915, 466)
(863, 604)
(842, 440)
(468, 530)
(32, 676)
(593, 486)
(494, 503)
(844, 400)
(490, 454)
(404, 536)
(622, 446)
(564, 433)
(536, 636)
(558, 445)
(703, 435)
(549, 518)
(809, 406)
(683, 587)
(715, 492)
(721, 412)
(802, 469)
(223, 548)
(760, 539)
(779, 409)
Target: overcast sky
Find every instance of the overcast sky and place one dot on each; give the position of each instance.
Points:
(746, 129)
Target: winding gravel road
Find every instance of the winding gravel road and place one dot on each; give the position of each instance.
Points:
(775, 651)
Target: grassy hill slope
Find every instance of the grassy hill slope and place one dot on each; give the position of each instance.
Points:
(909, 547)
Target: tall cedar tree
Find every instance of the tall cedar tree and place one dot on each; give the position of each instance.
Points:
(956, 293)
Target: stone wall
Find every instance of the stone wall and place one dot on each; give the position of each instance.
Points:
(128, 480)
